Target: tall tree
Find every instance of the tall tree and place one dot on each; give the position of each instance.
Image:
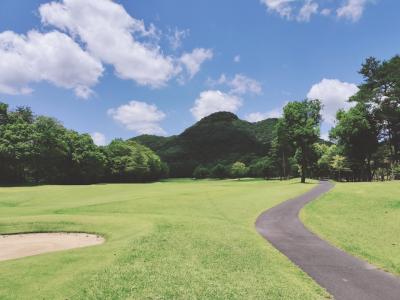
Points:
(356, 132)
(381, 91)
(302, 120)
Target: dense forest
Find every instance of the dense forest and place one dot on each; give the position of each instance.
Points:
(38, 149)
(364, 143)
(220, 138)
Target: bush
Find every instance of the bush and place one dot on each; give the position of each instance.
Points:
(201, 172)
(262, 168)
(238, 170)
(220, 172)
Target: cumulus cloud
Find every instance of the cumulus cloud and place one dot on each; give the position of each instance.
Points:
(239, 84)
(114, 37)
(89, 34)
(334, 95)
(53, 57)
(212, 101)
(259, 116)
(352, 9)
(139, 116)
(98, 138)
(236, 59)
(193, 61)
(302, 10)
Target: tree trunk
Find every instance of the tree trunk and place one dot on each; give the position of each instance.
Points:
(303, 171)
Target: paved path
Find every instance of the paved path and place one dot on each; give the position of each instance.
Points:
(342, 275)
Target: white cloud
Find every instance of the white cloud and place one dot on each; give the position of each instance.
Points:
(239, 84)
(98, 138)
(302, 10)
(176, 36)
(139, 116)
(212, 101)
(94, 32)
(282, 7)
(326, 12)
(113, 36)
(236, 59)
(352, 9)
(307, 10)
(333, 95)
(193, 61)
(53, 57)
(259, 116)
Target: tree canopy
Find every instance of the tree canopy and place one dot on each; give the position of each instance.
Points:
(39, 149)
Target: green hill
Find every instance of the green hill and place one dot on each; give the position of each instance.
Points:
(219, 138)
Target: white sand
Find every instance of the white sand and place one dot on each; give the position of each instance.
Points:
(21, 245)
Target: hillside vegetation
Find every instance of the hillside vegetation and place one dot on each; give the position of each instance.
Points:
(219, 138)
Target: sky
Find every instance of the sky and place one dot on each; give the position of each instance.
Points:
(129, 67)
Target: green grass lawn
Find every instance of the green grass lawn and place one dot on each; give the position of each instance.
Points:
(175, 239)
(362, 219)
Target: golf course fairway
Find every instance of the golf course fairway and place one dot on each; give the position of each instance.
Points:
(178, 239)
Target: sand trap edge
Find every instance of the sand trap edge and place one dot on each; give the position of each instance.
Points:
(19, 245)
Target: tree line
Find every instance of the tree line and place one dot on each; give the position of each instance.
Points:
(365, 141)
(39, 149)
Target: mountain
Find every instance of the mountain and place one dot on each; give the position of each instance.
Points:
(218, 138)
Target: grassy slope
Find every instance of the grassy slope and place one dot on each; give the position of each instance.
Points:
(176, 239)
(361, 218)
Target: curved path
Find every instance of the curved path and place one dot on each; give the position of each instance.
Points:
(342, 275)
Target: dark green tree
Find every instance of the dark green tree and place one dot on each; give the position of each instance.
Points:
(201, 172)
(219, 171)
(302, 120)
(356, 133)
(381, 91)
(85, 163)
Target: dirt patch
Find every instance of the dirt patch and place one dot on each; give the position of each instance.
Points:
(21, 245)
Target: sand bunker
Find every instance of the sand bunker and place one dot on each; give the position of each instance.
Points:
(20, 245)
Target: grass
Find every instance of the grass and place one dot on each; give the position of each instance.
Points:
(362, 219)
(179, 239)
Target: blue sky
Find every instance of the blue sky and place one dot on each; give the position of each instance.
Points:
(124, 68)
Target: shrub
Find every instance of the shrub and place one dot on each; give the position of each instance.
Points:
(238, 170)
(219, 171)
(201, 172)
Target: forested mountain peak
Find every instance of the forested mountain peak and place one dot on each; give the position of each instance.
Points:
(218, 138)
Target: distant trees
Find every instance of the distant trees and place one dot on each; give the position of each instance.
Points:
(128, 161)
(41, 150)
(238, 170)
(262, 168)
(201, 172)
(364, 143)
(219, 171)
(356, 133)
